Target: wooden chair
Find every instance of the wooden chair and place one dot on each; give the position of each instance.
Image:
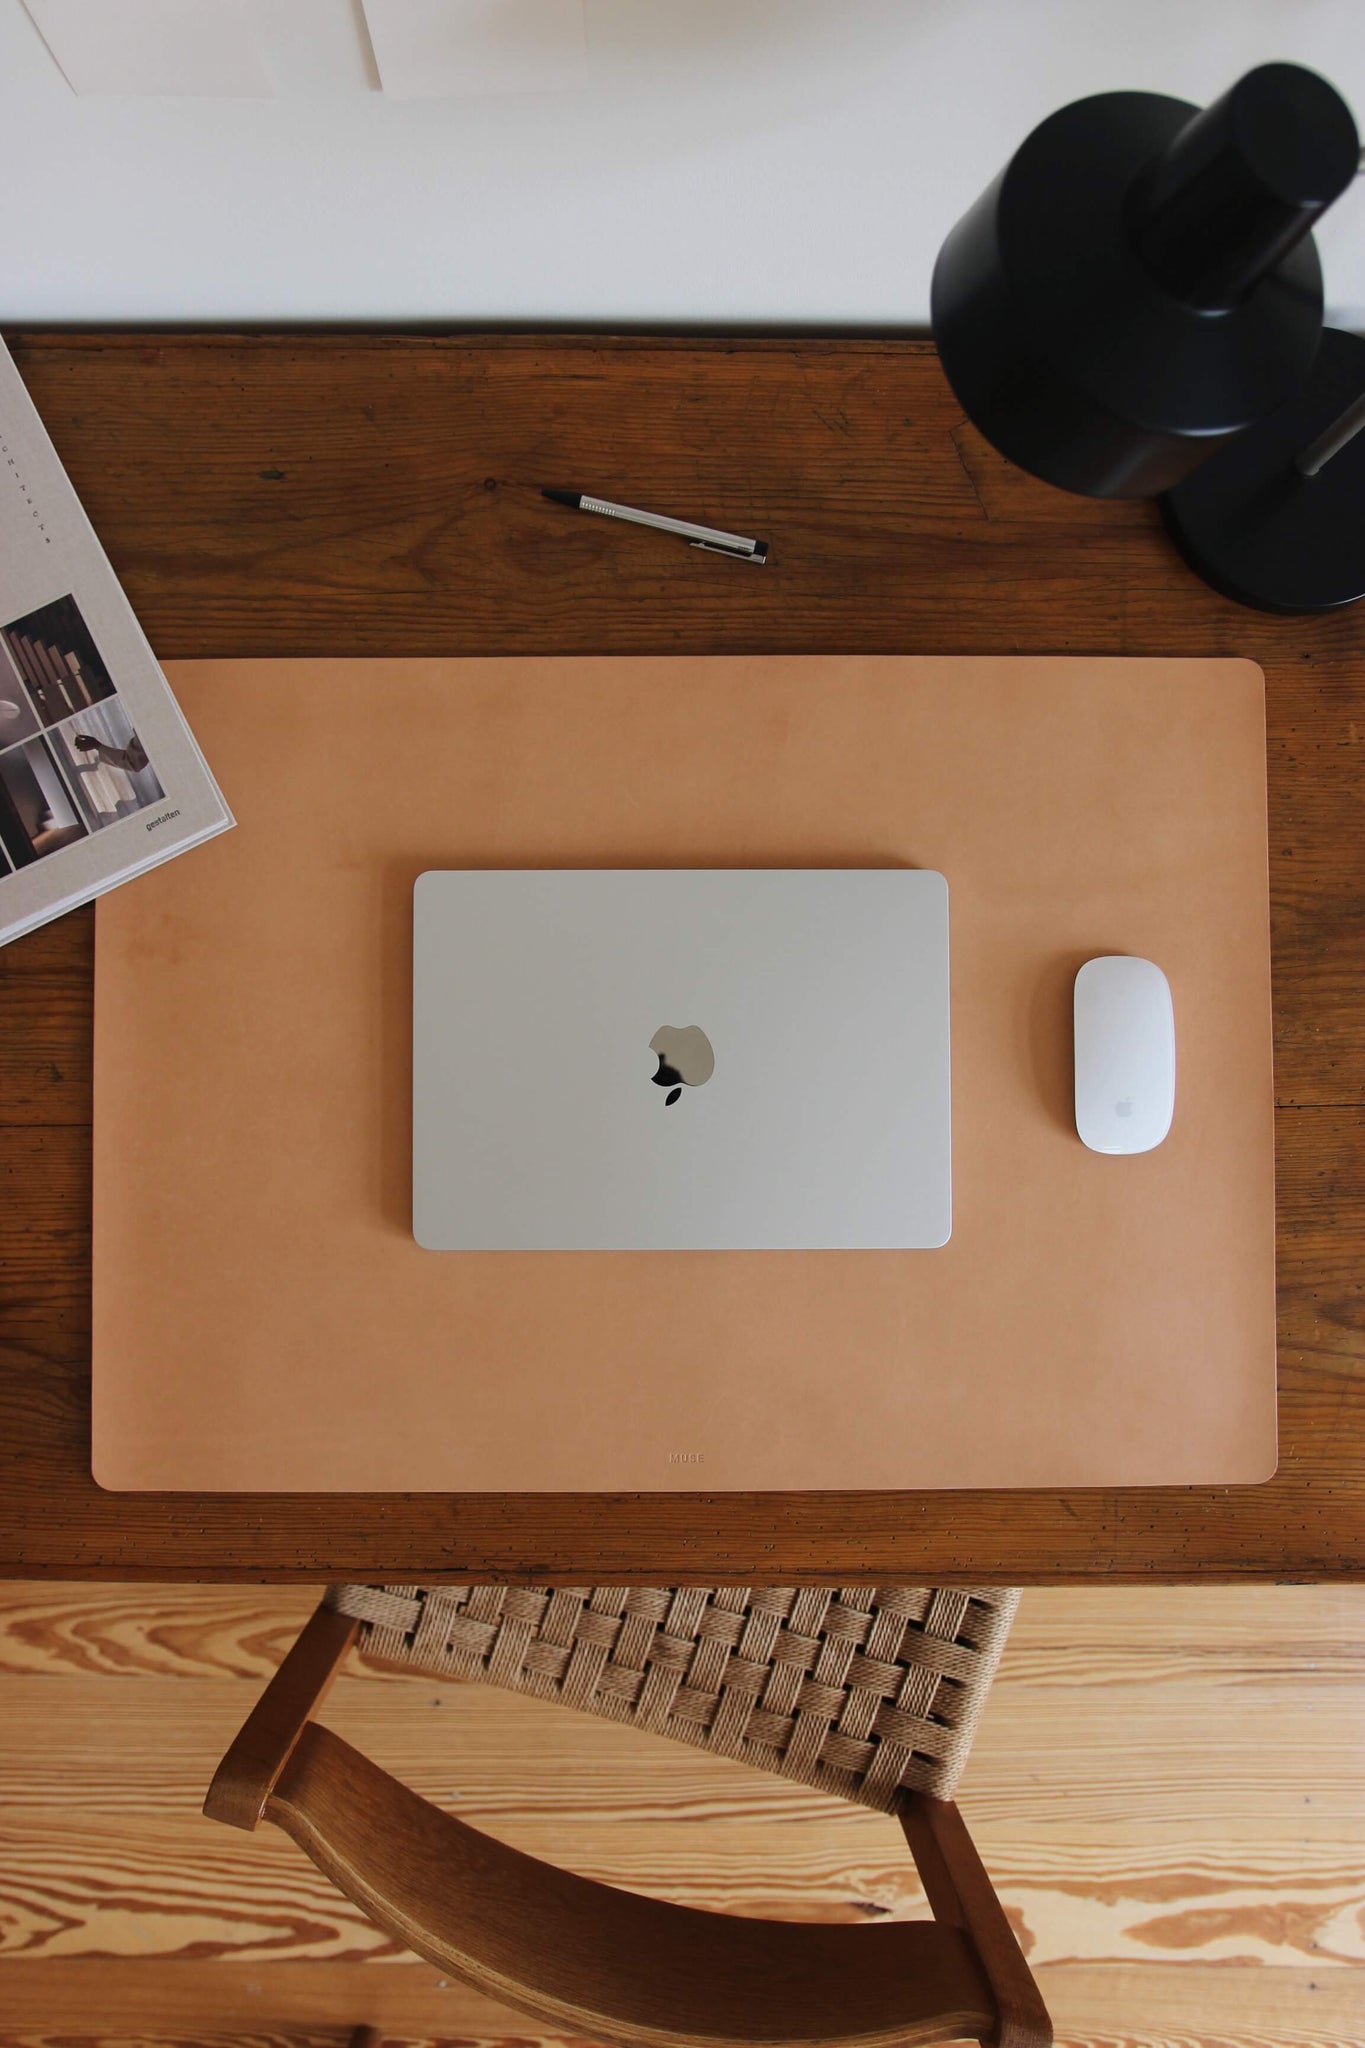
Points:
(874, 1694)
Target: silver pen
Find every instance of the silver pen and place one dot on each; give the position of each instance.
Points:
(713, 539)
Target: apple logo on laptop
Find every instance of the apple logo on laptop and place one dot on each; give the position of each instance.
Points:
(685, 1059)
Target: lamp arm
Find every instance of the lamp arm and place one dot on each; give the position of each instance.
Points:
(1343, 429)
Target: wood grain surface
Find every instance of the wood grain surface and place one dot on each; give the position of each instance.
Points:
(366, 495)
(1168, 1790)
(126, 2004)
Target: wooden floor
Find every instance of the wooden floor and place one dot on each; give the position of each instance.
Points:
(1169, 1790)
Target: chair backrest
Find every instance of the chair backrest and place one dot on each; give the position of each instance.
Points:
(869, 1692)
(604, 1963)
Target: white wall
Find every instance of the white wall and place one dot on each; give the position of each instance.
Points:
(766, 161)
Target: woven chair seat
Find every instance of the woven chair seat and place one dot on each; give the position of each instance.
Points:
(870, 1693)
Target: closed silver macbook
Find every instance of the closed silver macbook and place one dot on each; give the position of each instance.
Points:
(681, 1060)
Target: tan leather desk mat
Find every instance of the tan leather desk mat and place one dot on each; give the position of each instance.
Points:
(262, 1317)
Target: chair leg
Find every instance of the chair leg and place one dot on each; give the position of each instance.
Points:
(961, 1895)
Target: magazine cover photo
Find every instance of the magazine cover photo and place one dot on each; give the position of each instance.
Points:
(71, 759)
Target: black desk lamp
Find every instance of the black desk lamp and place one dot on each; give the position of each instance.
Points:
(1134, 308)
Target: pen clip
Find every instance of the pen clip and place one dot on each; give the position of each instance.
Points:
(715, 547)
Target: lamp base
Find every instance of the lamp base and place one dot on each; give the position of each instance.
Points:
(1251, 525)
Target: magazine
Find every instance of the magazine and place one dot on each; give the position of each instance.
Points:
(100, 777)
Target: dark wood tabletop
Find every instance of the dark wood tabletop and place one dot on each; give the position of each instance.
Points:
(315, 495)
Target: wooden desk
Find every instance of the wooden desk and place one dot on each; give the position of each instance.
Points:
(371, 496)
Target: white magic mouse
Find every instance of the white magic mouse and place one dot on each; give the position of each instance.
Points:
(1125, 1054)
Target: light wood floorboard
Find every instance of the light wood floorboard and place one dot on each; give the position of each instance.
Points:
(1168, 1788)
